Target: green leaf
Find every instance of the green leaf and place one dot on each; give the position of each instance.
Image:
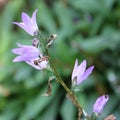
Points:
(68, 110)
(36, 105)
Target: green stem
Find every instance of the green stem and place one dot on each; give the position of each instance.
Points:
(70, 94)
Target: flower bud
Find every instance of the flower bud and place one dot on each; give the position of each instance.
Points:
(35, 42)
(100, 103)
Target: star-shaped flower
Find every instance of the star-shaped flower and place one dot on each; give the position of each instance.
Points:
(80, 72)
(25, 53)
(28, 24)
(31, 55)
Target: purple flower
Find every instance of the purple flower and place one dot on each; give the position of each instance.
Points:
(28, 24)
(25, 53)
(100, 103)
(80, 72)
(31, 55)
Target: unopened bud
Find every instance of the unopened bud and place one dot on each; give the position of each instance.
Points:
(100, 103)
(36, 33)
(35, 42)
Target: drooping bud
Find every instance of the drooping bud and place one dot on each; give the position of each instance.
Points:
(100, 103)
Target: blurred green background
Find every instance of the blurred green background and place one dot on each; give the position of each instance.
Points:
(86, 29)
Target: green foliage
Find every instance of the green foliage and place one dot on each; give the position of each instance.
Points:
(86, 29)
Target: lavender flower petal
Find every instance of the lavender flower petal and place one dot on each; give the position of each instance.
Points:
(78, 70)
(20, 25)
(28, 29)
(100, 103)
(25, 18)
(28, 50)
(26, 53)
(25, 49)
(25, 57)
(81, 69)
(74, 73)
(33, 19)
(85, 74)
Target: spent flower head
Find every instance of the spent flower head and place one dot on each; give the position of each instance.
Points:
(80, 72)
(28, 24)
(100, 103)
(38, 63)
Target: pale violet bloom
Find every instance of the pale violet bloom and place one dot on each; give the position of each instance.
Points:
(25, 53)
(28, 24)
(31, 55)
(80, 73)
(100, 103)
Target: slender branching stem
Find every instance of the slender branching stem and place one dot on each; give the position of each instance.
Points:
(70, 94)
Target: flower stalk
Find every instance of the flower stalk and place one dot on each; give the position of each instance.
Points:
(70, 94)
(38, 57)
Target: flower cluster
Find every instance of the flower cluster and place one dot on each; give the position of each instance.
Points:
(79, 74)
(30, 54)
